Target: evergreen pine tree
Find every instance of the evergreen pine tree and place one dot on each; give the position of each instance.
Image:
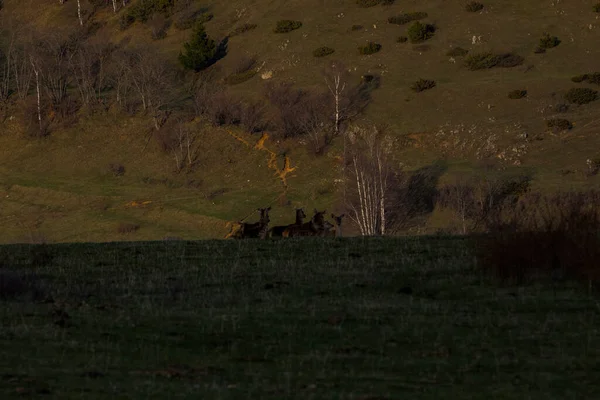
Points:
(199, 52)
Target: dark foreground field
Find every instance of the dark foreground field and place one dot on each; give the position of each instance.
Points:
(323, 319)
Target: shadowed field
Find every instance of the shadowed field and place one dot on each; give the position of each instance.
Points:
(311, 319)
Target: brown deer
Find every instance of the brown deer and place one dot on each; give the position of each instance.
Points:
(334, 229)
(254, 230)
(310, 228)
(277, 231)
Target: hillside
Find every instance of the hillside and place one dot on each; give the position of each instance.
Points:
(62, 187)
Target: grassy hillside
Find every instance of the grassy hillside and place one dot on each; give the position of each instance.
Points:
(353, 318)
(61, 188)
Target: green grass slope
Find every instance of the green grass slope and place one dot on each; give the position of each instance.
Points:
(352, 318)
(71, 196)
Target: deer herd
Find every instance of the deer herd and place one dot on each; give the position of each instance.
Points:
(316, 226)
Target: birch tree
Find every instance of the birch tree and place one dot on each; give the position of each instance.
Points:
(336, 78)
(370, 173)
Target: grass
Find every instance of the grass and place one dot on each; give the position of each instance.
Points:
(64, 204)
(349, 318)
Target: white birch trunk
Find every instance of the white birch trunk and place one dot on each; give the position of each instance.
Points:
(37, 85)
(114, 6)
(79, 12)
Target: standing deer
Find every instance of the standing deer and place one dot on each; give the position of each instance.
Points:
(277, 231)
(334, 229)
(310, 228)
(253, 230)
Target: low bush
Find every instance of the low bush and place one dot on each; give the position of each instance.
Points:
(127, 227)
(596, 8)
(402, 39)
(126, 21)
(367, 3)
(369, 48)
(158, 25)
(473, 6)
(488, 60)
(240, 77)
(457, 52)
(559, 124)
(548, 42)
(403, 19)
(517, 94)
(581, 95)
(116, 169)
(388, 2)
(419, 32)
(323, 51)
(287, 25)
(187, 18)
(242, 29)
(422, 85)
(544, 238)
(594, 78)
(355, 28)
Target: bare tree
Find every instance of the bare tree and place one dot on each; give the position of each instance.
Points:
(336, 78)
(314, 118)
(151, 78)
(369, 151)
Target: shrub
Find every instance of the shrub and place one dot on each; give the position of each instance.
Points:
(127, 227)
(287, 25)
(422, 84)
(116, 169)
(388, 2)
(457, 52)
(559, 124)
(126, 21)
(590, 78)
(473, 6)
(199, 52)
(356, 28)
(517, 94)
(581, 95)
(548, 42)
(367, 3)
(407, 17)
(402, 39)
(488, 60)
(323, 51)
(508, 60)
(240, 77)
(419, 32)
(158, 26)
(188, 18)
(544, 237)
(243, 29)
(596, 8)
(369, 48)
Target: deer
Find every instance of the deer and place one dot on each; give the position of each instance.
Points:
(277, 231)
(253, 230)
(334, 229)
(310, 228)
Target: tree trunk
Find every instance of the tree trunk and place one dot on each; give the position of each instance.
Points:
(79, 12)
(37, 85)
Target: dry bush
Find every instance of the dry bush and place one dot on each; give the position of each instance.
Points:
(127, 227)
(252, 117)
(288, 103)
(540, 237)
(116, 169)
